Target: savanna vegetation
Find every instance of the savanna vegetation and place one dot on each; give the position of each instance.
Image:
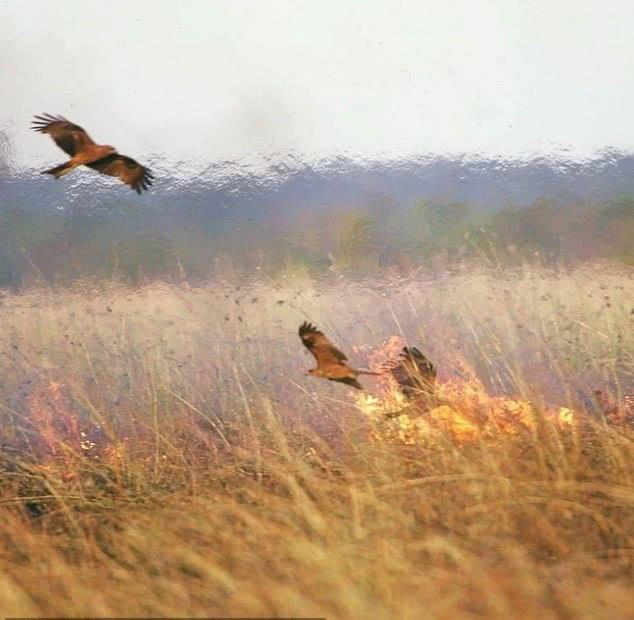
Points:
(135, 244)
(163, 454)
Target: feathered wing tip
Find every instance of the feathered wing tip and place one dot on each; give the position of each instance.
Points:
(410, 369)
(309, 334)
(144, 182)
(424, 366)
(416, 377)
(126, 169)
(307, 328)
(42, 121)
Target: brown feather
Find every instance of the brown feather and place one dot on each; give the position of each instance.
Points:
(131, 172)
(331, 362)
(350, 381)
(413, 372)
(322, 349)
(79, 145)
(71, 138)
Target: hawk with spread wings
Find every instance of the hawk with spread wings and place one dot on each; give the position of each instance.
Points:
(416, 378)
(413, 372)
(82, 149)
(331, 362)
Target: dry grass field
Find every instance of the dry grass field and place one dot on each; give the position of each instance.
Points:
(163, 454)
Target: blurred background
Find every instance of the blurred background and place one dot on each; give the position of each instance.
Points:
(337, 137)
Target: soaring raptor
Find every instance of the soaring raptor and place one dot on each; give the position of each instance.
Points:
(413, 372)
(416, 378)
(331, 362)
(82, 149)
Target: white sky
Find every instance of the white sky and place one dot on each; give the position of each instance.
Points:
(202, 81)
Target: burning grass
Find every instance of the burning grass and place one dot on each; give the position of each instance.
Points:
(163, 454)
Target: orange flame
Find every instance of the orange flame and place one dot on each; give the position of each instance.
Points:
(465, 411)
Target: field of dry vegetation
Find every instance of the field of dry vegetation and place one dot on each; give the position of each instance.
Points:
(163, 454)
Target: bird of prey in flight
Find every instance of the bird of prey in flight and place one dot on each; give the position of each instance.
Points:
(413, 373)
(416, 377)
(82, 149)
(331, 362)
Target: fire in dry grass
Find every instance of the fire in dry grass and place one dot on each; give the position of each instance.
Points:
(464, 410)
(56, 428)
(52, 414)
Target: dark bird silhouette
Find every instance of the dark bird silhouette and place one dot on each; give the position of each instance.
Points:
(416, 378)
(331, 362)
(413, 372)
(73, 140)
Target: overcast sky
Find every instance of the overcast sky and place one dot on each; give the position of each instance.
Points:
(210, 80)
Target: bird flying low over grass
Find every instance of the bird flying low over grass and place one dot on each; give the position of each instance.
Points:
(413, 372)
(416, 378)
(82, 149)
(331, 362)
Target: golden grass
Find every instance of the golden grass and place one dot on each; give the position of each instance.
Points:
(162, 453)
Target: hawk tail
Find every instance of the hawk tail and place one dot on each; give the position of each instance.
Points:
(351, 381)
(60, 170)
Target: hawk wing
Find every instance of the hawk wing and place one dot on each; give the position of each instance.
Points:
(131, 172)
(413, 372)
(322, 349)
(69, 137)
